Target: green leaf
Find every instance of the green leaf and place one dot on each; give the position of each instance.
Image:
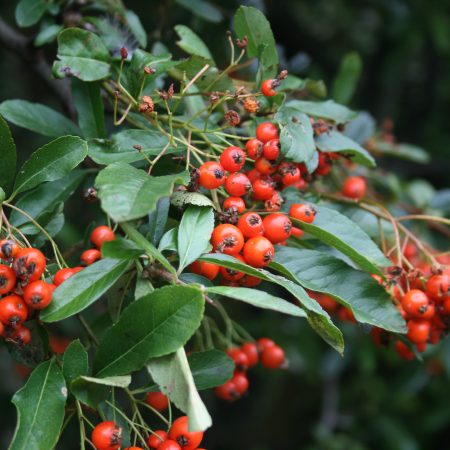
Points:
(169, 241)
(296, 135)
(81, 54)
(191, 43)
(83, 289)
(128, 193)
(121, 248)
(333, 141)
(51, 162)
(318, 319)
(75, 361)
(339, 232)
(9, 156)
(203, 9)
(136, 27)
(42, 202)
(89, 105)
(258, 298)
(157, 220)
(40, 409)
(122, 147)
(29, 12)
(47, 35)
(401, 151)
(251, 22)
(173, 375)
(38, 118)
(152, 326)
(325, 110)
(346, 81)
(92, 391)
(356, 290)
(182, 198)
(210, 368)
(194, 233)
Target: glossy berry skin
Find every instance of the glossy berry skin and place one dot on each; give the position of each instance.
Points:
(237, 184)
(102, 234)
(258, 251)
(418, 331)
(297, 232)
(90, 256)
(29, 264)
(38, 294)
(170, 445)
(251, 224)
(232, 274)
(404, 351)
(438, 286)
(277, 227)
(254, 148)
(64, 274)
(13, 310)
(227, 392)
(354, 187)
(211, 175)
(271, 149)
(232, 159)
(263, 190)
(107, 436)
(251, 350)
(234, 203)
(272, 357)
(157, 400)
(266, 131)
(415, 303)
(20, 336)
(265, 166)
(303, 212)
(249, 281)
(324, 167)
(263, 343)
(267, 87)
(290, 173)
(241, 383)
(205, 269)
(134, 448)
(156, 439)
(8, 249)
(228, 239)
(239, 357)
(179, 432)
(7, 279)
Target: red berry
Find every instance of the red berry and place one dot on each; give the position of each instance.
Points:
(29, 264)
(211, 175)
(232, 274)
(234, 203)
(8, 249)
(64, 274)
(7, 279)
(169, 445)
(266, 131)
(241, 383)
(253, 175)
(267, 87)
(237, 184)
(354, 187)
(438, 286)
(324, 167)
(239, 357)
(157, 400)
(155, 439)
(179, 432)
(38, 294)
(102, 234)
(418, 331)
(303, 212)
(258, 251)
(265, 167)
(415, 303)
(249, 281)
(206, 269)
(290, 173)
(277, 227)
(89, 257)
(272, 357)
(263, 343)
(251, 350)
(254, 148)
(227, 238)
(251, 225)
(274, 203)
(107, 436)
(13, 310)
(297, 232)
(263, 189)
(232, 159)
(20, 336)
(271, 150)
(227, 391)
(404, 351)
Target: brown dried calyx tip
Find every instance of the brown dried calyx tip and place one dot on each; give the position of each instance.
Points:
(214, 97)
(167, 95)
(146, 105)
(123, 53)
(242, 43)
(149, 70)
(137, 147)
(251, 105)
(282, 75)
(233, 118)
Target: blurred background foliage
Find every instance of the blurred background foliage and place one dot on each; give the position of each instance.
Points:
(369, 399)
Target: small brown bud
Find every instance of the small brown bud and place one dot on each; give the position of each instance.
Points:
(170, 91)
(149, 70)
(251, 105)
(90, 195)
(233, 118)
(242, 43)
(123, 53)
(146, 104)
(214, 97)
(137, 147)
(282, 75)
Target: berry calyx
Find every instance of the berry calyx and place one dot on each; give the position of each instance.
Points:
(303, 212)
(232, 159)
(179, 432)
(38, 294)
(228, 239)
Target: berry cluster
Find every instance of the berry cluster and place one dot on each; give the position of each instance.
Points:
(108, 436)
(245, 357)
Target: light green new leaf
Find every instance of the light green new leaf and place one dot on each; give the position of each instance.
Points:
(326, 110)
(191, 43)
(173, 375)
(29, 12)
(38, 118)
(40, 408)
